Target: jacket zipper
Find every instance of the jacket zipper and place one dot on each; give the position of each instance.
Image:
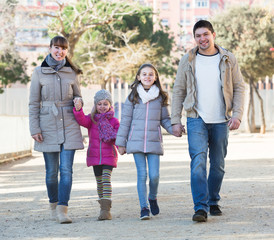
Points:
(61, 96)
(100, 161)
(145, 142)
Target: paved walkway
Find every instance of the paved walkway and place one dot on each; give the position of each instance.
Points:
(247, 197)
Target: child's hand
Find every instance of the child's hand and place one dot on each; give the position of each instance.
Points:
(122, 150)
(77, 103)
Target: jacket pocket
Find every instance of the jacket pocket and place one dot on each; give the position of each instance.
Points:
(44, 111)
(45, 93)
(160, 134)
(69, 90)
(88, 151)
(114, 151)
(130, 135)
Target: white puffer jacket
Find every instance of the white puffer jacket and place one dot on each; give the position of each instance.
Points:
(140, 126)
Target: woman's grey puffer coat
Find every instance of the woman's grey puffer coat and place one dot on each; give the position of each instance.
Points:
(51, 108)
(140, 126)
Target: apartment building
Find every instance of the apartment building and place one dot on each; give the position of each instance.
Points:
(32, 30)
(181, 15)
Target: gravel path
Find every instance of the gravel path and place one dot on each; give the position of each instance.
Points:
(247, 198)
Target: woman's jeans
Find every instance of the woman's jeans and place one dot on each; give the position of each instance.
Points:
(59, 193)
(153, 161)
(201, 137)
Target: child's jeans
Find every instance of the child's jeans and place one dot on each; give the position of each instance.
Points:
(153, 161)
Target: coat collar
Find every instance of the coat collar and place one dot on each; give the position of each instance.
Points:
(192, 53)
(48, 70)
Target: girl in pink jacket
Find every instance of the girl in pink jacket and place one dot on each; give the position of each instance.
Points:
(102, 153)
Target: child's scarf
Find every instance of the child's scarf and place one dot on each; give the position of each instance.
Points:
(151, 94)
(106, 131)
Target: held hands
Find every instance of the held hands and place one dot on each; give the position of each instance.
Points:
(178, 129)
(38, 137)
(122, 150)
(234, 123)
(78, 104)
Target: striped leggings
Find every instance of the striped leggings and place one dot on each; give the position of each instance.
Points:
(103, 178)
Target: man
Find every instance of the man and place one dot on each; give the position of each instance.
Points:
(210, 87)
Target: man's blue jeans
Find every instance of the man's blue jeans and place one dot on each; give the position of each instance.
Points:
(153, 161)
(59, 192)
(201, 138)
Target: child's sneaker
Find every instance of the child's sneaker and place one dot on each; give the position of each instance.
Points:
(144, 214)
(154, 207)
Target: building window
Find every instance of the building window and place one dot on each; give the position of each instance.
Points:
(187, 23)
(164, 22)
(40, 3)
(201, 4)
(214, 5)
(30, 2)
(183, 5)
(165, 6)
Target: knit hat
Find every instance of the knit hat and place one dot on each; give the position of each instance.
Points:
(102, 95)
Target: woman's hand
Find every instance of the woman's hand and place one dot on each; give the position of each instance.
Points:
(38, 137)
(122, 150)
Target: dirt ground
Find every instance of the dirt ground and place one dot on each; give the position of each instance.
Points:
(247, 197)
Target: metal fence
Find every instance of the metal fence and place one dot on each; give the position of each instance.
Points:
(15, 138)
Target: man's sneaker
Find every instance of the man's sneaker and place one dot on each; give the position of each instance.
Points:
(154, 208)
(144, 214)
(200, 216)
(215, 210)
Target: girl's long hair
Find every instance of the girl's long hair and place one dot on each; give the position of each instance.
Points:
(92, 114)
(63, 43)
(134, 96)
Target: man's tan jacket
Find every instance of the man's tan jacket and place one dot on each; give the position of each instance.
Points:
(184, 90)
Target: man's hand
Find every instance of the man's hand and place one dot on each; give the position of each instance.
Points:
(38, 137)
(178, 129)
(234, 123)
(122, 150)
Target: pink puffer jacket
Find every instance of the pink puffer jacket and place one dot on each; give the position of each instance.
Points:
(98, 153)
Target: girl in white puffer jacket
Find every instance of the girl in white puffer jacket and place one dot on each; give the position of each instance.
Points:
(144, 112)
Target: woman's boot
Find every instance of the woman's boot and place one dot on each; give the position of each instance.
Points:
(105, 209)
(62, 214)
(53, 215)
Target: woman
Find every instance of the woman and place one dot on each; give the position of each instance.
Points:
(54, 86)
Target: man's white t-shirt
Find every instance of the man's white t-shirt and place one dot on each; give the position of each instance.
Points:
(210, 100)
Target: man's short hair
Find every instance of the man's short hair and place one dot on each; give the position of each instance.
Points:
(203, 24)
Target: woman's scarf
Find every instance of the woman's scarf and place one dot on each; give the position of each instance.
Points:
(56, 65)
(146, 96)
(106, 132)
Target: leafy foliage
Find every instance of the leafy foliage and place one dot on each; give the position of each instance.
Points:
(249, 34)
(12, 67)
(112, 38)
(119, 48)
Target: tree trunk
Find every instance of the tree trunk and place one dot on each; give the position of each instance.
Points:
(247, 123)
(263, 125)
(252, 108)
